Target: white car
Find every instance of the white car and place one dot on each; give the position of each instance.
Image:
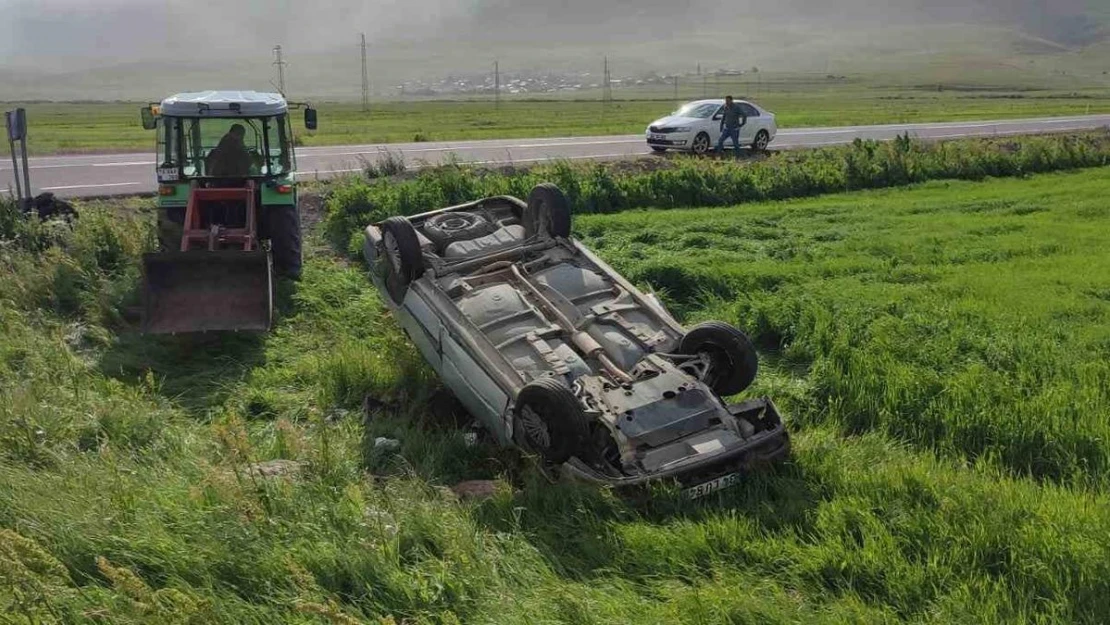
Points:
(696, 127)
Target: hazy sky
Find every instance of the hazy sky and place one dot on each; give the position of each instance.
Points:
(141, 48)
(99, 31)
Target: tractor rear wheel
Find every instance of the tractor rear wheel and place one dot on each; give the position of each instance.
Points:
(283, 227)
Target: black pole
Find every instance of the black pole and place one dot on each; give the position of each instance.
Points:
(15, 163)
(26, 174)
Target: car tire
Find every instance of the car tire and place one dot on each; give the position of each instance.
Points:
(403, 257)
(550, 421)
(733, 360)
(445, 228)
(658, 149)
(701, 144)
(283, 227)
(762, 140)
(548, 211)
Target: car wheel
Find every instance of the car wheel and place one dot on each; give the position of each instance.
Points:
(762, 140)
(548, 210)
(283, 227)
(656, 148)
(550, 421)
(700, 145)
(403, 256)
(732, 359)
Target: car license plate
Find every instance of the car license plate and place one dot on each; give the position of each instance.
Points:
(658, 137)
(167, 174)
(712, 486)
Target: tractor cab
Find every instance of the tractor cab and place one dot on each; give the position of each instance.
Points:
(227, 210)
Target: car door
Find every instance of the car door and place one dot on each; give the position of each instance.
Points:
(713, 124)
(754, 125)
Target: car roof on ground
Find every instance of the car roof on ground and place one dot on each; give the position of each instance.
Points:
(224, 104)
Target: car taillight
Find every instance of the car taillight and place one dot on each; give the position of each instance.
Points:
(285, 188)
(167, 189)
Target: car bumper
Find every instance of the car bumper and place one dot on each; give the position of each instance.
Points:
(669, 141)
(770, 444)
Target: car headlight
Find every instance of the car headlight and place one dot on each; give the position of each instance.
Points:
(681, 129)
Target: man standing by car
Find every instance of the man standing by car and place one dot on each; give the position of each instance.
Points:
(732, 120)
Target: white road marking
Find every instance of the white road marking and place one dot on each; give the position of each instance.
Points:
(93, 186)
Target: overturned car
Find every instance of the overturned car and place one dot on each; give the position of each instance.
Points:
(551, 349)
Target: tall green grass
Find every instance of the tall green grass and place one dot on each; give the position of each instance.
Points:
(968, 320)
(126, 494)
(691, 182)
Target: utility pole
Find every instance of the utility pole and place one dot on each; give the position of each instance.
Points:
(676, 87)
(365, 79)
(280, 62)
(607, 88)
(497, 84)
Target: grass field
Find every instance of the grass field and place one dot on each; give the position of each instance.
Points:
(74, 128)
(941, 353)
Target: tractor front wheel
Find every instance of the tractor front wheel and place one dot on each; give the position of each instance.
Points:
(171, 227)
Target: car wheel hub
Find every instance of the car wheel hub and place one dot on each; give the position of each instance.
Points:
(535, 428)
(393, 252)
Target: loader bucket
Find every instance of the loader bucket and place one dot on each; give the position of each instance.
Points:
(206, 291)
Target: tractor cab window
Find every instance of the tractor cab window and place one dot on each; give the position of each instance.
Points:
(279, 140)
(212, 147)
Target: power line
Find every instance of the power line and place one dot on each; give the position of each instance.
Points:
(365, 79)
(281, 69)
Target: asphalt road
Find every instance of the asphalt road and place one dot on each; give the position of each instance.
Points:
(114, 174)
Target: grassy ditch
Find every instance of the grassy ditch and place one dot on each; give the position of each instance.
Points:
(940, 353)
(691, 182)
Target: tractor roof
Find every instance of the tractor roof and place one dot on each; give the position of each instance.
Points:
(224, 104)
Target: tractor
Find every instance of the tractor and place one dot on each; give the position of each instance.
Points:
(227, 211)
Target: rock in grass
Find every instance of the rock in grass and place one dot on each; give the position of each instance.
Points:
(276, 468)
(475, 490)
(386, 444)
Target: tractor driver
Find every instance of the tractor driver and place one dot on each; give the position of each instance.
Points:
(230, 158)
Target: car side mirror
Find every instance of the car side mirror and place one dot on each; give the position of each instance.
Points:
(310, 118)
(718, 117)
(149, 123)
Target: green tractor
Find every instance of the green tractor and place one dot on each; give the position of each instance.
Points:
(227, 211)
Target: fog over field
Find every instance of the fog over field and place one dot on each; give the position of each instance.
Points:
(138, 46)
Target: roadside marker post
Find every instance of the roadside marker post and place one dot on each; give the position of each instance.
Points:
(16, 123)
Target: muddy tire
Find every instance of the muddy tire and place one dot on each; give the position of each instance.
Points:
(550, 421)
(733, 362)
(548, 211)
(403, 256)
(283, 227)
